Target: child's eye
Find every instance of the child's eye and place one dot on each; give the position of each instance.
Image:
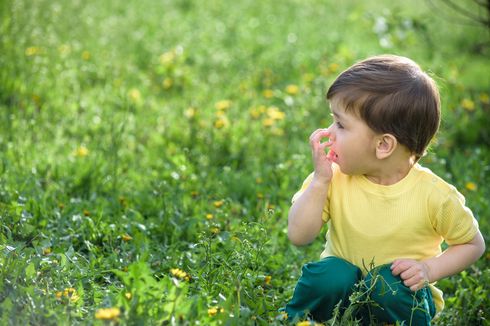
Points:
(339, 125)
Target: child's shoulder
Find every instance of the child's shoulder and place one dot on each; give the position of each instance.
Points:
(428, 179)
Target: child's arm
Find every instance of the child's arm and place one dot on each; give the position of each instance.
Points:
(305, 216)
(453, 260)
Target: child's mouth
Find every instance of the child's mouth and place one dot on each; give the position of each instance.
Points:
(334, 157)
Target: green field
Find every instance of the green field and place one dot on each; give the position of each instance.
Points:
(149, 150)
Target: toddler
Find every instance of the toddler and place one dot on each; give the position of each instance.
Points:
(382, 208)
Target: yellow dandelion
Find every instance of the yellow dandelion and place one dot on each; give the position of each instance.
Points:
(268, 122)
(74, 297)
(284, 315)
(190, 113)
(303, 323)
(484, 98)
(221, 122)
(126, 237)
(220, 113)
(177, 272)
(58, 295)
(333, 67)
(128, 295)
(167, 83)
(46, 251)
(32, 50)
(218, 203)
(167, 58)
(108, 313)
(209, 216)
(81, 151)
(86, 55)
(134, 95)
(471, 186)
(468, 104)
(268, 93)
(69, 293)
(223, 105)
(254, 112)
(212, 311)
(308, 77)
(275, 114)
(292, 89)
(267, 279)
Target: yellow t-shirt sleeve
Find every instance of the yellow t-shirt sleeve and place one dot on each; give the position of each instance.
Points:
(306, 183)
(454, 221)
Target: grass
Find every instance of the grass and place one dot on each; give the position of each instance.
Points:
(149, 150)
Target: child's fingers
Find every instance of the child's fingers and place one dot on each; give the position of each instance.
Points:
(410, 282)
(395, 267)
(409, 273)
(399, 266)
(318, 135)
(415, 283)
(317, 145)
(325, 144)
(320, 130)
(411, 277)
(313, 136)
(320, 152)
(314, 133)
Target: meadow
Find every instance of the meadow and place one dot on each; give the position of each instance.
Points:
(149, 150)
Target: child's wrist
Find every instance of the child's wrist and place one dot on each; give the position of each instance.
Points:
(428, 272)
(321, 180)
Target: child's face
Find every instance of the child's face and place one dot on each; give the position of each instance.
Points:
(353, 142)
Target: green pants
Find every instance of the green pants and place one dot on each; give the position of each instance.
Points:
(325, 283)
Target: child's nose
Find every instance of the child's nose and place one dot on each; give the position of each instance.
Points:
(331, 131)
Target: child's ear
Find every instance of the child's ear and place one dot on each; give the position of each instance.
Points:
(385, 146)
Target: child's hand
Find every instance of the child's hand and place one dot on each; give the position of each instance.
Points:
(415, 274)
(322, 161)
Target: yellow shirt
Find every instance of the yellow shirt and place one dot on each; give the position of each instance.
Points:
(371, 223)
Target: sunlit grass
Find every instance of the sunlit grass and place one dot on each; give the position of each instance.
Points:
(149, 151)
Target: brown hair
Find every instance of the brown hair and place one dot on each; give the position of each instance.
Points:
(392, 95)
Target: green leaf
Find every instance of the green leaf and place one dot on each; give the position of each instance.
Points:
(30, 271)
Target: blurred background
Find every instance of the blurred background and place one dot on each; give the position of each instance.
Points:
(149, 149)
